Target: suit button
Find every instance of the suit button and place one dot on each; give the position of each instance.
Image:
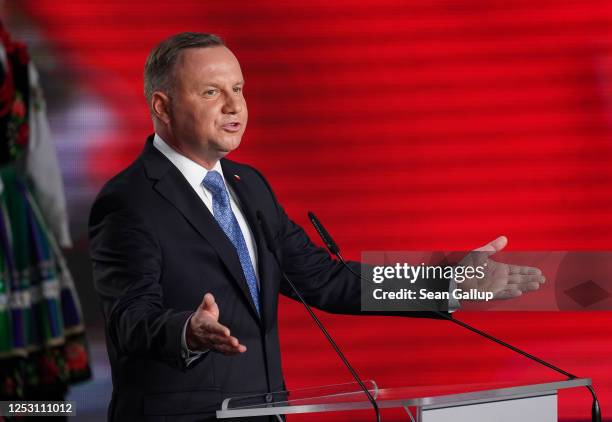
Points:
(269, 398)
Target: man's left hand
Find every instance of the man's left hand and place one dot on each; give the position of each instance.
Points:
(505, 281)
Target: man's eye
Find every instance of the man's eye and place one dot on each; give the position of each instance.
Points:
(238, 89)
(210, 92)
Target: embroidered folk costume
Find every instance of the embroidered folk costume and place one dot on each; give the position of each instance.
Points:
(42, 339)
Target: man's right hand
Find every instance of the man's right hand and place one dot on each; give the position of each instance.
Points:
(205, 333)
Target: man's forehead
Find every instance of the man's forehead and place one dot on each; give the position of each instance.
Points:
(216, 56)
(209, 64)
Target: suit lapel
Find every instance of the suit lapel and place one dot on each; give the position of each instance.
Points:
(171, 184)
(248, 205)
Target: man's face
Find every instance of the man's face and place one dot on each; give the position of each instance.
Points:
(208, 112)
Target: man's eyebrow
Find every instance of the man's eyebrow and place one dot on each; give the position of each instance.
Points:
(219, 85)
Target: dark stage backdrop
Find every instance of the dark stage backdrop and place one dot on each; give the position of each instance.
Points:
(404, 125)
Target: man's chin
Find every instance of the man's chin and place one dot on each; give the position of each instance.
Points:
(228, 146)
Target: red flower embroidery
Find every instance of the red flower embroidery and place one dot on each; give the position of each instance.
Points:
(23, 135)
(76, 357)
(49, 372)
(18, 108)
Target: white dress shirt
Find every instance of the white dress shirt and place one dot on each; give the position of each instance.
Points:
(194, 174)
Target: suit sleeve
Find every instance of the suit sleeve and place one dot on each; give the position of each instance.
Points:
(127, 263)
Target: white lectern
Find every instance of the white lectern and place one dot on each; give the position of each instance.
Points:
(496, 402)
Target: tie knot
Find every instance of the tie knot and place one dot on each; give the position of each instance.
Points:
(213, 181)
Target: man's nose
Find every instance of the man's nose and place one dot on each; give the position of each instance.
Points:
(233, 105)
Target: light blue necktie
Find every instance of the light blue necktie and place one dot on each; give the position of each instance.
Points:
(222, 212)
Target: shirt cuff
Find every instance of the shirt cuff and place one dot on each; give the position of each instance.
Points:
(189, 356)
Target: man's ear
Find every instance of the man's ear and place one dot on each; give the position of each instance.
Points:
(160, 106)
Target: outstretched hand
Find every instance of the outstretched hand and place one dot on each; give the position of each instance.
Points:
(505, 281)
(204, 332)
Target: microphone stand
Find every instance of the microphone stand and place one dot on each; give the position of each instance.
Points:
(335, 250)
(270, 244)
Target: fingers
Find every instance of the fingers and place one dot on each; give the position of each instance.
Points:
(493, 246)
(519, 269)
(529, 287)
(516, 290)
(520, 279)
(230, 350)
(207, 301)
(519, 284)
(214, 328)
(205, 331)
(227, 345)
(209, 305)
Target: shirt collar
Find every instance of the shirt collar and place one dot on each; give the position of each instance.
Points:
(192, 171)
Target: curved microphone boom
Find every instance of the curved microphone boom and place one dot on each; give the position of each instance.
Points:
(327, 239)
(271, 247)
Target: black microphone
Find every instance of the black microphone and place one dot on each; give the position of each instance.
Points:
(267, 233)
(327, 239)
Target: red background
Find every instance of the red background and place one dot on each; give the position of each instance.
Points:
(403, 125)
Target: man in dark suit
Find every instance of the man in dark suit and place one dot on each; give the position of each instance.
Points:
(188, 288)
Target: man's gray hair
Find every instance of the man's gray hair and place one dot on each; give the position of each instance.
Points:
(160, 63)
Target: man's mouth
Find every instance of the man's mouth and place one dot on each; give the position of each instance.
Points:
(231, 127)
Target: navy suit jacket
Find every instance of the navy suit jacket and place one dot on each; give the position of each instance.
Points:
(156, 250)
